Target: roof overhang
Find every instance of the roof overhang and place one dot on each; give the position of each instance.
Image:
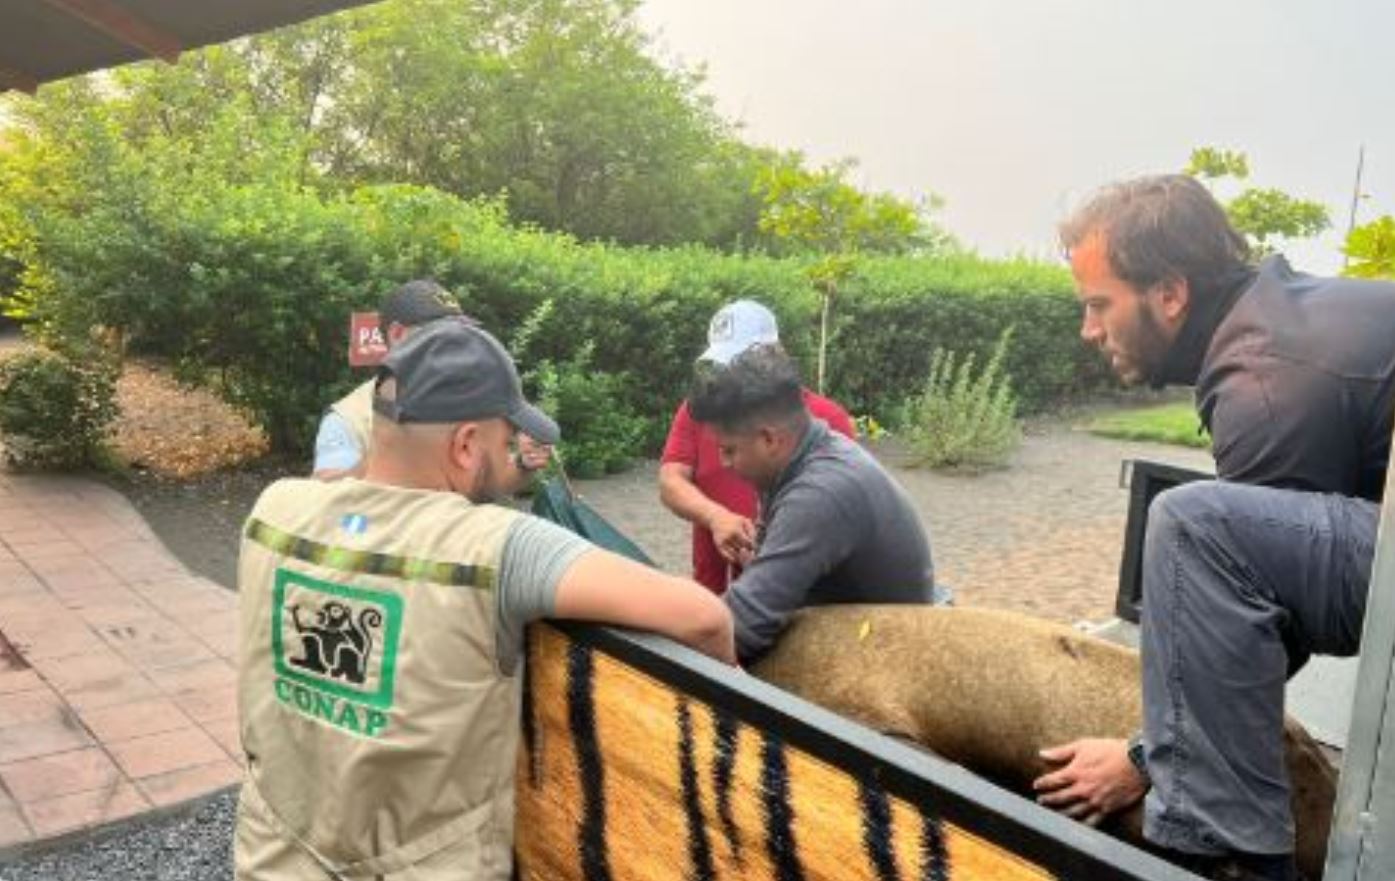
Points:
(45, 40)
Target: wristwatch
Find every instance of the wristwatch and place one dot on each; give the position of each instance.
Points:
(1136, 757)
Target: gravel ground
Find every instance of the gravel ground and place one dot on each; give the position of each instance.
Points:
(189, 845)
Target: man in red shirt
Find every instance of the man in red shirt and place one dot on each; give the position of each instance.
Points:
(695, 485)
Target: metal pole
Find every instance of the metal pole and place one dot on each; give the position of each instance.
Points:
(1362, 846)
(1355, 199)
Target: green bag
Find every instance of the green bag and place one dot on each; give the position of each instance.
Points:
(555, 501)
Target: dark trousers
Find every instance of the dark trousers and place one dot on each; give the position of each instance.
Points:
(1240, 585)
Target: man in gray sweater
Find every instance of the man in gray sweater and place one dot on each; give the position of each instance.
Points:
(833, 526)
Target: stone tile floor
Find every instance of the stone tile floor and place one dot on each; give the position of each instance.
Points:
(117, 670)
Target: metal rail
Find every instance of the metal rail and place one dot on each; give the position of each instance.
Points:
(1362, 847)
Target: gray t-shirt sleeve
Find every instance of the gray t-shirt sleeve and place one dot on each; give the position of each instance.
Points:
(809, 535)
(536, 556)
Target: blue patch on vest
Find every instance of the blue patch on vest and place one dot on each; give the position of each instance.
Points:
(354, 524)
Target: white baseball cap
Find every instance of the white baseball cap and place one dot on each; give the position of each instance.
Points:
(737, 327)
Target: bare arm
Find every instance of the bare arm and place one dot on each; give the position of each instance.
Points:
(605, 587)
(681, 496)
(735, 535)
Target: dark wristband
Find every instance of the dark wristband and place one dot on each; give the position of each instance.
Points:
(1137, 758)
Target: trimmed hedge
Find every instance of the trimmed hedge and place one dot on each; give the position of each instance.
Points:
(250, 289)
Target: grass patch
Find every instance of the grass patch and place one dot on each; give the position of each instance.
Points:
(1169, 424)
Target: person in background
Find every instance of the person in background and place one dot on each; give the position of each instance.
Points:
(346, 429)
(693, 481)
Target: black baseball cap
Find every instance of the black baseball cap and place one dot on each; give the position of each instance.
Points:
(417, 302)
(453, 371)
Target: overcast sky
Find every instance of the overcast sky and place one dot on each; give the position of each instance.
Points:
(1012, 110)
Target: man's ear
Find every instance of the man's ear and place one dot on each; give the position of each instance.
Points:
(395, 333)
(1174, 299)
(464, 444)
(769, 435)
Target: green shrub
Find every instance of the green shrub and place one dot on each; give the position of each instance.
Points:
(55, 411)
(601, 434)
(250, 287)
(963, 418)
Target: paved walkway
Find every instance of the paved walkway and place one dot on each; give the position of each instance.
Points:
(117, 679)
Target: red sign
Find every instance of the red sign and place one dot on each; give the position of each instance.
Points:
(366, 344)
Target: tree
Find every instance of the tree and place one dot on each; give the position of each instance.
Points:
(1212, 163)
(1260, 214)
(820, 213)
(557, 104)
(1371, 249)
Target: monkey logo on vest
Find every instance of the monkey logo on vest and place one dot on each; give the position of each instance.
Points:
(334, 652)
(337, 644)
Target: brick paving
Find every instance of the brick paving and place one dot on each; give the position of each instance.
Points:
(117, 669)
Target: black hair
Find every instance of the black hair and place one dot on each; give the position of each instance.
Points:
(760, 386)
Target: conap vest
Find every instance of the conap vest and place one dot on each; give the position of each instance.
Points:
(378, 728)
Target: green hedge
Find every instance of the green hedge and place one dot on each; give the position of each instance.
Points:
(250, 289)
(55, 409)
(900, 309)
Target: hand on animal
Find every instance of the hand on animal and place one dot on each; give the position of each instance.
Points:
(735, 537)
(1095, 779)
(532, 456)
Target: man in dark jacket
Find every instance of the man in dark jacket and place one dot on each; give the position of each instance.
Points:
(1243, 577)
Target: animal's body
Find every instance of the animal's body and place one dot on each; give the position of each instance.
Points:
(989, 689)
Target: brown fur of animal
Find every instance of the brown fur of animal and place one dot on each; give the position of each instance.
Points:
(989, 689)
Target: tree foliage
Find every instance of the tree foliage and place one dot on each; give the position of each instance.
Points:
(558, 106)
(1263, 215)
(816, 211)
(1370, 249)
(1212, 163)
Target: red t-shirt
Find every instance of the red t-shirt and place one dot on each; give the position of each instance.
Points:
(693, 444)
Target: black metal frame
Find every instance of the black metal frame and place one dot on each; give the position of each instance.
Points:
(1146, 479)
(1068, 849)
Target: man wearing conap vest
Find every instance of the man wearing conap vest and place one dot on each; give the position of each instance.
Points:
(381, 627)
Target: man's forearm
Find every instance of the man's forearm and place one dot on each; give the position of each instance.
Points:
(681, 496)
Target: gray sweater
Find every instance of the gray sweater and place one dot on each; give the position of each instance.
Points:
(835, 528)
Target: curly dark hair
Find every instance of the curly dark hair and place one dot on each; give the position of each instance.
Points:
(761, 385)
(1160, 228)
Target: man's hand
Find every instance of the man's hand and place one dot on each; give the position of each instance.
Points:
(734, 535)
(1095, 780)
(532, 456)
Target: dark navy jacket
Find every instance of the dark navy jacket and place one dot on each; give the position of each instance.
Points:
(1295, 379)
